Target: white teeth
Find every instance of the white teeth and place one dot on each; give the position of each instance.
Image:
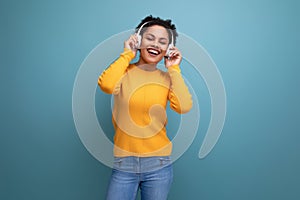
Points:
(153, 51)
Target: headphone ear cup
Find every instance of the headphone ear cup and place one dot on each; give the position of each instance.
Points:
(169, 50)
(139, 37)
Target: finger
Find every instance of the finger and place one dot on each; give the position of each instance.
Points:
(134, 40)
(173, 48)
(131, 39)
(175, 54)
(128, 41)
(135, 36)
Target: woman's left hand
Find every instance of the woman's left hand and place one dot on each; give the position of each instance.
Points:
(174, 59)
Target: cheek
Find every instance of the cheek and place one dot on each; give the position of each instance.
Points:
(146, 42)
(164, 48)
(143, 51)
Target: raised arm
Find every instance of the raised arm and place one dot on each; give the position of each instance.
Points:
(179, 95)
(113, 74)
(110, 77)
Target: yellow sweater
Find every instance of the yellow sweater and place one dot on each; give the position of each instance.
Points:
(140, 99)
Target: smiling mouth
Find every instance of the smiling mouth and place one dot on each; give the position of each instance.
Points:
(153, 51)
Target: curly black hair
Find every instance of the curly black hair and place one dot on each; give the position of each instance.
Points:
(158, 21)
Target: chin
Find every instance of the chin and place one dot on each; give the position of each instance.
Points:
(152, 60)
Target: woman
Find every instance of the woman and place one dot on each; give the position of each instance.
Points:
(141, 91)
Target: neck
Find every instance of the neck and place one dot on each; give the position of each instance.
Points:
(146, 66)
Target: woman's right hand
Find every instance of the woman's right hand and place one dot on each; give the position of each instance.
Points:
(132, 43)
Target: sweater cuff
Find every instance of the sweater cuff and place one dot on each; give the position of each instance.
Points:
(128, 52)
(174, 68)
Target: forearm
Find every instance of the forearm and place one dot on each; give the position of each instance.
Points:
(179, 96)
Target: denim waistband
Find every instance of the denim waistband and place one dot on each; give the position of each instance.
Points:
(135, 164)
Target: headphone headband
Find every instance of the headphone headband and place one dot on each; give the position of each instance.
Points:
(142, 26)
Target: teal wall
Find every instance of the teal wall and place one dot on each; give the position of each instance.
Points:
(255, 45)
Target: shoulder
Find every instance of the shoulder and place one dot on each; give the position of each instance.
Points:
(130, 67)
(163, 74)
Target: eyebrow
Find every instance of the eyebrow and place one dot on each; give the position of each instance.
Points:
(162, 38)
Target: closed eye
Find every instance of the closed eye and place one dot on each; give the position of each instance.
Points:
(163, 41)
(150, 39)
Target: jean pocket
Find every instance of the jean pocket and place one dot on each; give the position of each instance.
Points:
(164, 161)
(118, 161)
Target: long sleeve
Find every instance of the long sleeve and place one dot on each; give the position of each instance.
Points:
(110, 77)
(179, 95)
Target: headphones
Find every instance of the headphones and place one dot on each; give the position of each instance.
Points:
(139, 36)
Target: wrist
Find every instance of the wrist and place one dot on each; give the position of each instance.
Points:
(174, 67)
(128, 52)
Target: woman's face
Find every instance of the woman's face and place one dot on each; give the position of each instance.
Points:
(155, 41)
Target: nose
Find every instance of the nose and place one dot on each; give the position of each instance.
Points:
(156, 44)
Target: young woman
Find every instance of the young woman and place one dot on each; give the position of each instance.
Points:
(141, 91)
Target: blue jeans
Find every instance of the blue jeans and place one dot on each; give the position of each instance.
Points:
(152, 175)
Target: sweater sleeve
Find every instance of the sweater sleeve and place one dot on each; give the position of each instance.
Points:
(179, 95)
(110, 77)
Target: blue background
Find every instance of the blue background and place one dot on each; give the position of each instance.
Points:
(255, 45)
